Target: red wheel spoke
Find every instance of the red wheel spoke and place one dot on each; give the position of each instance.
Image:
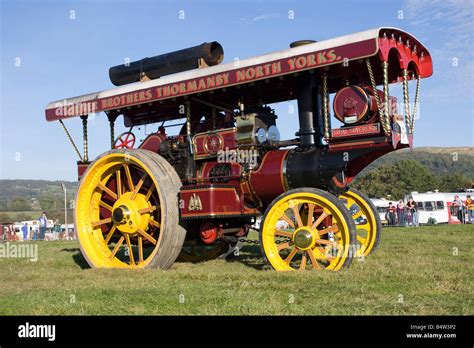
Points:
(125, 141)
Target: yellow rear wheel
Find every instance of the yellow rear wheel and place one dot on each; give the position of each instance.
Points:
(126, 211)
(307, 228)
(366, 219)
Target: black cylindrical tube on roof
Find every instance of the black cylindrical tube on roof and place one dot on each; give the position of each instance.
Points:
(211, 53)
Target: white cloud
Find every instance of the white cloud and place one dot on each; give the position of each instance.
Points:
(447, 29)
(266, 16)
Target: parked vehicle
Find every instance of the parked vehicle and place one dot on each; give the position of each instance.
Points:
(433, 207)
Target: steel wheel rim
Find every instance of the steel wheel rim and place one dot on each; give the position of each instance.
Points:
(322, 253)
(106, 242)
(366, 233)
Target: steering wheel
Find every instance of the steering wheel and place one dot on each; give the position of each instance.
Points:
(126, 140)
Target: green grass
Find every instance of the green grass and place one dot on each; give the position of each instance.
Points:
(415, 272)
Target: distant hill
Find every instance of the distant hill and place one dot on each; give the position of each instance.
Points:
(440, 160)
(10, 189)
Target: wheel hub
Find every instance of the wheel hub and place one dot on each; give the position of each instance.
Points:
(126, 214)
(121, 214)
(304, 238)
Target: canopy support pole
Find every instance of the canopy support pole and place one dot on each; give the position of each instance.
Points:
(71, 140)
(191, 165)
(386, 112)
(415, 106)
(377, 97)
(112, 119)
(325, 107)
(84, 137)
(406, 99)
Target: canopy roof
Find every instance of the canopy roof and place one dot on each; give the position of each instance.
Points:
(258, 80)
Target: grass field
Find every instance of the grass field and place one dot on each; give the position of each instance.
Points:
(422, 271)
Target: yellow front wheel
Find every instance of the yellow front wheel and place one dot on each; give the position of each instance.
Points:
(126, 211)
(366, 219)
(307, 228)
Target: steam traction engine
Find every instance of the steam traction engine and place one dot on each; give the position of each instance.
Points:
(195, 194)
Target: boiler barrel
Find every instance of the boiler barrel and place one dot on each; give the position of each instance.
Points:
(283, 170)
(211, 53)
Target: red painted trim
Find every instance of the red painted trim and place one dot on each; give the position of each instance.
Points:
(233, 77)
(215, 201)
(406, 54)
(226, 141)
(351, 132)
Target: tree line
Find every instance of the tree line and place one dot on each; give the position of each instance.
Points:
(20, 208)
(399, 178)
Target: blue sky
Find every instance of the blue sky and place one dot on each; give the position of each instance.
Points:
(58, 49)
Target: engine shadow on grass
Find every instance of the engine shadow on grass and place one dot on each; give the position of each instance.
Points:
(77, 257)
(250, 256)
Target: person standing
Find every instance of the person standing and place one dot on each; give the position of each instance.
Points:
(56, 229)
(458, 208)
(43, 222)
(25, 231)
(401, 213)
(391, 214)
(470, 209)
(413, 211)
